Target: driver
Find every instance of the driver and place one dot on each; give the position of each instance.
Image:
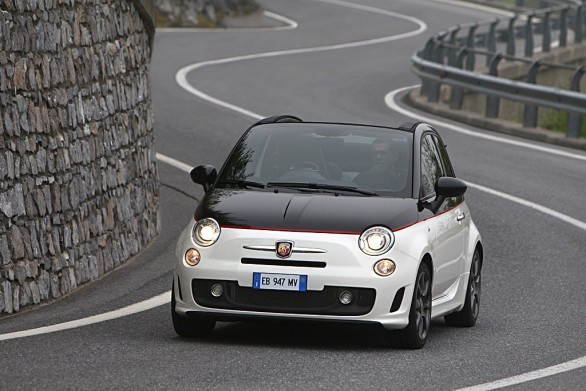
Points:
(381, 174)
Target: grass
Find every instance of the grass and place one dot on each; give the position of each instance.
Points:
(247, 8)
(558, 122)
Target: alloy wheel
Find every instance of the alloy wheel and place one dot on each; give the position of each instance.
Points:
(423, 305)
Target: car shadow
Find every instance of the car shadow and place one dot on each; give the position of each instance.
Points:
(301, 335)
(306, 335)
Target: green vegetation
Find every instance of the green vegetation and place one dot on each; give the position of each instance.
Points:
(162, 21)
(181, 14)
(202, 21)
(558, 122)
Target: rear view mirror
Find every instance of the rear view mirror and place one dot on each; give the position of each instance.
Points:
(445, 187)
(204, 175)
(450, 187)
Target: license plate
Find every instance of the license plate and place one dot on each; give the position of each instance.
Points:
(281, 282)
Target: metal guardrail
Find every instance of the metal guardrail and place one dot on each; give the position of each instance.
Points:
(451, 58)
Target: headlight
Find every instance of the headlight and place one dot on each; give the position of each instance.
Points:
(376, 240)
(206, 232)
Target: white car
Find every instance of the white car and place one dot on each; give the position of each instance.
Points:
(330, 221)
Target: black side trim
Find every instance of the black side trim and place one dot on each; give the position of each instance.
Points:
(179, 288)
(282, 262)
(398, 300)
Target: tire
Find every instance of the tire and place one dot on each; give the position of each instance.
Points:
(190, 327)
(468, 315)
(415, 334)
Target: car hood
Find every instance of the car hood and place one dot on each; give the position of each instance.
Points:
(305, 212)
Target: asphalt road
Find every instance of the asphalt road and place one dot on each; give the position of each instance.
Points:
(532, 313)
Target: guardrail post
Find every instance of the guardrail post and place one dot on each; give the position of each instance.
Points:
(583, 17)
(511, 37)
(433, 93)
(452, 50)
(575, 119)
(471, 44)
(579, 24)
(491, 41)
(457, 98)
(547, 32)
(493, 102)
(439, 48)
(529, 36)
(564, 27)
(428, 50)
(426, 55)
(530, 112)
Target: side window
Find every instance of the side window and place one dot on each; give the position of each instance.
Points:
(431, 166)
(447, 171)
(445, 159)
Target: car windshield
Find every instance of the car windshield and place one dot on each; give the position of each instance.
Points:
(310, 157)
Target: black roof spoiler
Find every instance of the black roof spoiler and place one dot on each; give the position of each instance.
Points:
(278, 118)
(409, 126)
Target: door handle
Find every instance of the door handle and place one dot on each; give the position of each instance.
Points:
(461, 217)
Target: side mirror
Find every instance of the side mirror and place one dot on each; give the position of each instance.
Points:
(446, 187)
(204, 175)
(450, 187)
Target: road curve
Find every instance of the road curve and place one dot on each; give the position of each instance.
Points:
(532, 313)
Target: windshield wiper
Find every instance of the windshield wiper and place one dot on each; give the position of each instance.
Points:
(321, 186)
(242, 183)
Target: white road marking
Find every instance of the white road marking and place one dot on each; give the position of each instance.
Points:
(560, 216)
(290, 24)
(529, 376)
(477, 7)
(390, 101)
(173, 162)
(164, 298)
(153, 302)
(181, 76)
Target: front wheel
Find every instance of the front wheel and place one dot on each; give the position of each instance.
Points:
(468, 315)
(188, 327)
(415, 334)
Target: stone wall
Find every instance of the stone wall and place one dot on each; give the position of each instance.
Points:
(79, 190)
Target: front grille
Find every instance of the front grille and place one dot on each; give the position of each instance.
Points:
(323, 302)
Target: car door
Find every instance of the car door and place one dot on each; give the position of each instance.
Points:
(446, 224)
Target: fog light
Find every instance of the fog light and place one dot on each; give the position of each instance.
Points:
(217, 290)
(345, 297)
(192, 257)
(384, 267)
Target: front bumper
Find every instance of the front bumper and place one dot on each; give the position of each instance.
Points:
(342, 267)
